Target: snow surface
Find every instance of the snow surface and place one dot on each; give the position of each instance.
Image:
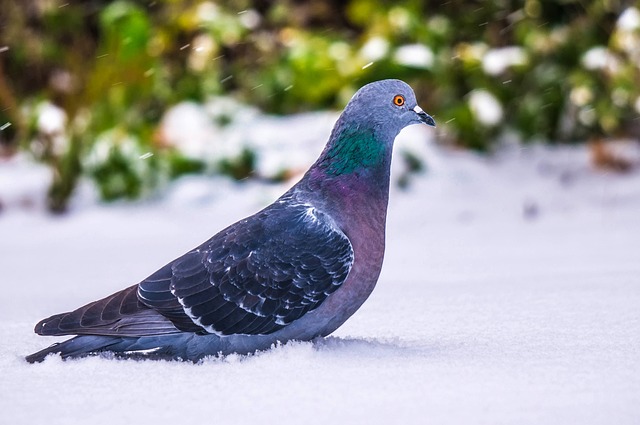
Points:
(510, 294)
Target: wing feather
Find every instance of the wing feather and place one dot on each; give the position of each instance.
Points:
(119, 314)
(258, 275)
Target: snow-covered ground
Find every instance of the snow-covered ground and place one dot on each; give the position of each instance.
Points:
(510, 294)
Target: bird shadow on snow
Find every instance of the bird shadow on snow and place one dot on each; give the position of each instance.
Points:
(337, 348)
(374, 347)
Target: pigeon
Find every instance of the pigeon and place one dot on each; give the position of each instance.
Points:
(296, 270)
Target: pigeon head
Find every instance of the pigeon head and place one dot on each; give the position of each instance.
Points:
(362, 139)
(386, 107)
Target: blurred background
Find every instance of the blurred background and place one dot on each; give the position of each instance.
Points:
(87, 87)
(510, 283)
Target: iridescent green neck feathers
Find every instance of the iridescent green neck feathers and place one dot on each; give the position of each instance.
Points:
(355, 151)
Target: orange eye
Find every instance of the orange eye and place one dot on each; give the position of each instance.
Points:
(398, 100)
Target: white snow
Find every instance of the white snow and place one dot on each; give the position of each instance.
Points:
(207, 12)
(375, 48)
(203, 48)
(193, 130)
(581, 95)
(414, 55)
(629, 20)
(497, 61)
(51, 118)
(510, 294)
(600, 57)
(485, 107)
(250, 18)
(51, 121)
(23, 184)
(189, 128)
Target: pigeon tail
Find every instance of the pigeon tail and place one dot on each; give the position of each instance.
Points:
(78, 346)
(154, 347)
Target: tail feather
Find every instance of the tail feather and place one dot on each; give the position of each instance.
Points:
(155, 347)
(119, 314)
(75, 347)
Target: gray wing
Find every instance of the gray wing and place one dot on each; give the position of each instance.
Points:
(254, 277)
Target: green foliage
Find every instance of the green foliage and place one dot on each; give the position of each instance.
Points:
(180, 165)
(240, 167)
(412, 165)
(557, 71)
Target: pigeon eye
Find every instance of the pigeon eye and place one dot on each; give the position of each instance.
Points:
(398, 100)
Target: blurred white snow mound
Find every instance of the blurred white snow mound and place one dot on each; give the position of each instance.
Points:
(518, 177)
(497, 61)
(223, 128)
(23, 183)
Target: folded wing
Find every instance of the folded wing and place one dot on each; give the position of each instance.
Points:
(256, 276)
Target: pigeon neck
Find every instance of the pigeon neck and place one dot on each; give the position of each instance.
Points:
(353, 170)
(356, 151)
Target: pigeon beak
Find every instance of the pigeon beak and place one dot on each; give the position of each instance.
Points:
(424, 117)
